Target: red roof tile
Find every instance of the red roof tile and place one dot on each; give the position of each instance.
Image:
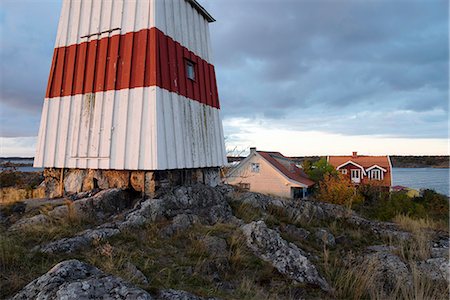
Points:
(362, 160)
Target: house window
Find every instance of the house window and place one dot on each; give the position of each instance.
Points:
(244, 186)
(344, 171)
(190, 69)
(355, 175)
(255, 167)
(375, 174)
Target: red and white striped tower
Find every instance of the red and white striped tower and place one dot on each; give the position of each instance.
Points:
(131, 88)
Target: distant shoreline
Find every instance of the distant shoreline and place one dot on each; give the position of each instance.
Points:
(398, 161)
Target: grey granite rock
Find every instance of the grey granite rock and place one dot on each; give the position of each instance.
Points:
(73, 280)
(286, 257)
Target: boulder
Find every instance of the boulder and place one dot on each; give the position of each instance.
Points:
(295, 232)
(286, 257)
(390, 271)
(81, 240)
(100, 206)
(325, 238)
(73, 181)
(73, 279)
(215, 246)
(171, 294)
(435, 268)
(206, 203)
(179, 223)
(135, 274)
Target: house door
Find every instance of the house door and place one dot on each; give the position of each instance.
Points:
(356, 175)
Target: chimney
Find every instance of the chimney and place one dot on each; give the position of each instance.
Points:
(354, 154)
(252, 150)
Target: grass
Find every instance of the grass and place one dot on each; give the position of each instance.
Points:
(183, 261)
(417, 224)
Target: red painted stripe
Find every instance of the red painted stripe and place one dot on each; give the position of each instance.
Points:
(90, 67)
(59, 69)
(69, 72)
(136, 59)
(52, 73)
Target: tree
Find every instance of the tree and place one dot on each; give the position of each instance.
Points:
(337, 189)
(319, 169)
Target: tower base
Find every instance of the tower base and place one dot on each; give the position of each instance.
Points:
(60, 182)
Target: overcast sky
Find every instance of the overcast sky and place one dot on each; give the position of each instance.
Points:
(301, 77)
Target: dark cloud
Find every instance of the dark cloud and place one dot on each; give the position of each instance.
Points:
(349, 67)
(27, 32)
(293, 59)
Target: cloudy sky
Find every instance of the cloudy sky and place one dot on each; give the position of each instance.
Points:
(302, 77)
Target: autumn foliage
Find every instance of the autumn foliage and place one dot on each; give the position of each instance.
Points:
(337, 189)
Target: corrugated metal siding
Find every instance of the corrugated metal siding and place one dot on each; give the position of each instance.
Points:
(93, 19)
(121, 99)
(137, 129)
(136, 59)
(179, 20)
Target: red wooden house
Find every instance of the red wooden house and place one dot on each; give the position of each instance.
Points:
(363, 169)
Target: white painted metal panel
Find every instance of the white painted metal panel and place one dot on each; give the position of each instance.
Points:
(80, 18)
(183, 23)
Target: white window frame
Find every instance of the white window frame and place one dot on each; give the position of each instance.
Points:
(255, 167)
(376, 174)
(190, 69)
(356, 179)
(344, 171)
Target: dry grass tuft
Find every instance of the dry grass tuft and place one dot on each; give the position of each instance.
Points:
(407, 223)
(419, 247)
(352, 280)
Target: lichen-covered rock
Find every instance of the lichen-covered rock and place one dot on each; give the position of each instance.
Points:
(205, 202)
(135, 274)
(307, 210)
(179, 223)
(73, 181)
(435, 268)
(390, 271)
(325, 238)
(100, 206)
(215, 246)
(171, 294)
(286, 257)
(73, 279)
(81, 240)
(295, 232)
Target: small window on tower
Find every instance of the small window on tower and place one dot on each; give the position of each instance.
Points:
(190, 69)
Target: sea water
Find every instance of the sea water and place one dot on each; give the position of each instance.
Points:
(423, 178)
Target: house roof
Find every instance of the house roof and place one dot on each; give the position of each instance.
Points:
(202, 10)
(286, 167)
(362, 160)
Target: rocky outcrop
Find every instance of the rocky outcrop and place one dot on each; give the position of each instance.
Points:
(73, 279)
(99, 207)
(325, 238)
(308, 210)
(207, 204)
(171, 294)
(390, 271)
(83, 239)
(295, 232)
(435, 268)
(286, 257)
(183, 206)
